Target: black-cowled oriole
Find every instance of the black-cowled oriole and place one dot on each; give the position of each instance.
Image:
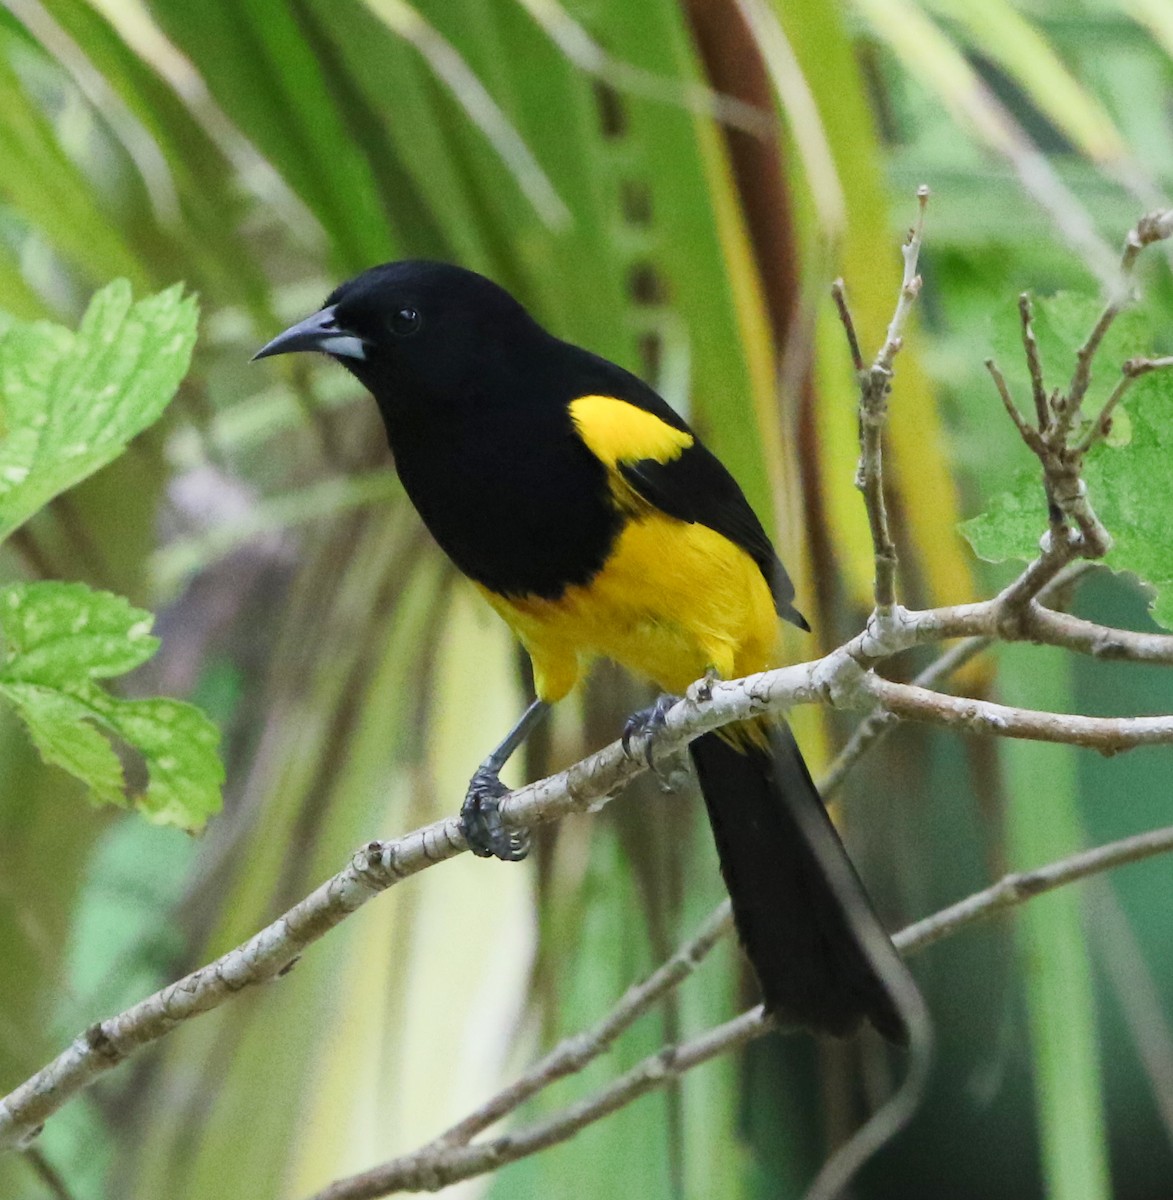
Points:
(594, 521)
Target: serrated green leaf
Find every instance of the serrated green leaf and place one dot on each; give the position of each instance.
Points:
(180, 746)
(59, 725)
(69, 402)
(1012, 524)
(59, 633)
(1131, 487)
(59, 639)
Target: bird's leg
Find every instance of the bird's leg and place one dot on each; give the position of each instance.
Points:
(480, 819)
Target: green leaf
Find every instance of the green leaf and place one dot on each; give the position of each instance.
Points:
(57, 633)
(1129, 476)
(1132, 487)
(1013, 523)
(59, 726)
(180, 746)
(59, 639)
(69, 402)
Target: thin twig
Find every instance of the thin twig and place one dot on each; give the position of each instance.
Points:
(1101, 426)
(419, 1173)
(1034, 365)
(1019, 886)
(909, 285)
(875, 384)
(1081, 380)
(422, 1171)
(1028, 434)
(1153, 227)
(1109, 735)
(839, 295)
(1132, 370)
(1059, 547)
(1052, 628)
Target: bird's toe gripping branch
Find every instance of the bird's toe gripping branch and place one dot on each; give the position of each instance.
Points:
(480, 820)
(480, 814)
(647, 724)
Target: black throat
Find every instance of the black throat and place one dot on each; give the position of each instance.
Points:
(501, 478)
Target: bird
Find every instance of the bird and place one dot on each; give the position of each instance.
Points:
(596, 523)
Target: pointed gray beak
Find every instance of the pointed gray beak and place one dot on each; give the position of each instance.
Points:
(319, 332)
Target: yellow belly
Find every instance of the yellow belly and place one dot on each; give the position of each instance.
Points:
(672, 601)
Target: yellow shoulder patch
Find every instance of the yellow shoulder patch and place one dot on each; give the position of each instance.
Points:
(617, 432)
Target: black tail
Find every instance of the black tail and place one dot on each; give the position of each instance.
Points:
(792, 887)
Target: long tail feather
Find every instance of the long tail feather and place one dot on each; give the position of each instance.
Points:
(809, 930)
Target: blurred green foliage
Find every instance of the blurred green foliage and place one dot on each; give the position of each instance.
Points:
(259, 151)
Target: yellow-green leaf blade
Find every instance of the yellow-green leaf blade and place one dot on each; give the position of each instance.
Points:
(69, 402)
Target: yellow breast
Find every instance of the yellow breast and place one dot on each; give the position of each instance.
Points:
(671, 602)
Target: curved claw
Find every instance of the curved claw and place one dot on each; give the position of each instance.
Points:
(480, 820)
(647, 723)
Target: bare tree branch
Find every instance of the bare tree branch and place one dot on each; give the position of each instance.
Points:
(1021, 886)
(433, 1168)
(842, 679)
(874, 386)
(1052, 628)
(1034, 365)
(1027, 433)
(1108, 734)
(1153, 227)
(881, 722)
(839, 295)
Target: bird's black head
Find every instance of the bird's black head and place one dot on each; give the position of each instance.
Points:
(418, 333)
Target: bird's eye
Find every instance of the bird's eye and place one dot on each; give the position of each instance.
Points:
(404, 321)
